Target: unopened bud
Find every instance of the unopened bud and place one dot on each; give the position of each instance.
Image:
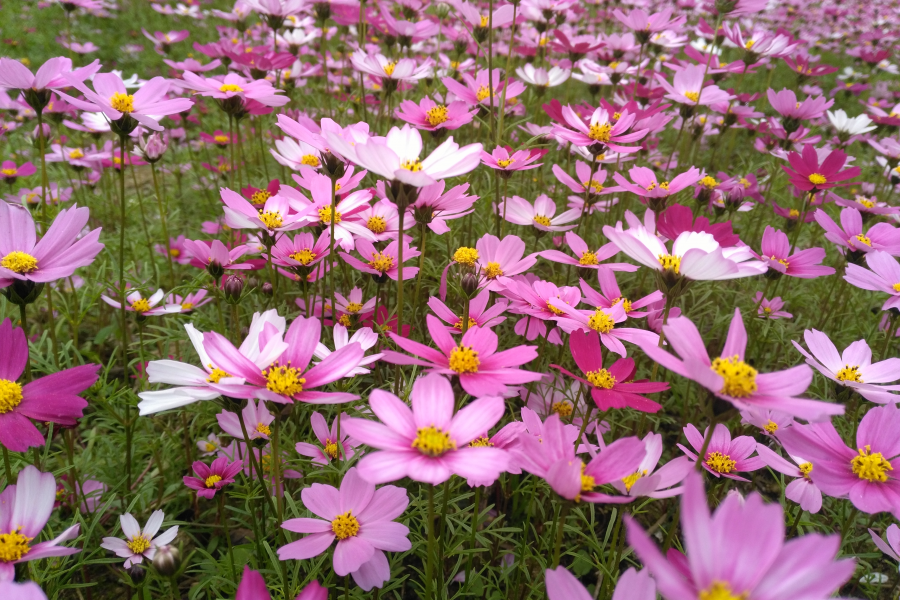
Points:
(233, 288)
(267, 289)
(167, 560)
(215, 269)
(136, 572)
(469, 284)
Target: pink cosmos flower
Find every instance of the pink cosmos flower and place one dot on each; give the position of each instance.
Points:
(632, 585)
(363, 336)
(724, 456)
(864, 472)
(646, 185)
(252, 586)
(866, 205)
(687, 88)
(644, 24)
(55, 256)
(163, 41)
(884, 276)
(803, 264)
(10, 171)
(428, 443)
(353, 305)
(498, 259)
(851, 236)
(286, 380)
(853, 368)
(330, 447)
(274, 216)
(585, 257)
(479, 313)
(589, 181)
(770, 309)
(801, 490)
(612, 295)
(599, 129)
(25, 508)
(502, 160)
(614, 387)
(647, 480)
(761, 563)
(257, 418)
(482, 371)
(891, 546)
(378, 65)
(54, 398)
(785, 103)
(476, 91)
(384, 263)
(22, 591)
(361, 518)
(541, 215)
(604, 322)
(319, 211)
(732, 379)
(809, 175)
(139, 543)
(233, 86)
(210, 479)
(54, 74)
(531, 297)
(176, 304)
(541, 77)
(214, 255)
(136, 303)
(428, 115)
(761, 42)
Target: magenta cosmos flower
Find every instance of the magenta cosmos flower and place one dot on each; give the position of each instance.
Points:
(503, 160)
(810, 176)
(863, 473)
(851, 236)
(884, 276)
(646, 186)
(476, 91)
(804, 264)
(257, 419)
(732, 379)
(482, 371)
(428, 443)
(287, 379)
(54, 398)
(361, 519)
(770, 309)
(647, 480)
(10, 171)
(614, 387)
(479, 313)
(139, 543)
(210, 479)
(724, 456)
(24, 510)
(54, 256)
(431, 116)
(330, 447)
(604, 321)
(600, 129)
(740, 552)
(587, 258)
(612, 295)
(384, 263)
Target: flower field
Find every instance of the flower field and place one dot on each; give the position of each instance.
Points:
(411, 299)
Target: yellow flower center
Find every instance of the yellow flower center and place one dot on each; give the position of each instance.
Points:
(805, 469)
(19, 262)
(263, 429)
(692, 96)
(344, 320)
(600, 133)
(817, 179)
(414, 165)
(260, 197)
(481, 442)
(505, 162)
(10, 395)
(304, 257)
(709, 182)
(231, 87)
(864, 201)
(454, 64)
(869, 466)
(740, 378)
(271, 219)
(354, 307)
(458, 324)
(325, 215)
(865, 240)
(376, 224)
(745, 183)
(482, 93)
(771, 426)
(283, 379)
(210, 447)
(388, 68)
(849, 373)
(331, 448)
(464, 360)
(493, 270)
(139, 544)
(310, 160)
(216, 375)
(562, 408)
(670, 262)
(601, 322)
(212, 480)
(484, 21)
(141, 305)
(433, 441)
(630, 480)
(613, 65)
(720, 590)
(720, 463)
(601, 379)
(594, 185)
(793, 213)
(542, 220)
(174, 252)
(13, 546)
(221, 139)
(345, 525)
(124, 103)
(466, 256)
(436, 115)
(381, 262)
(626, 304)
(8, 172)
(187, 306)
(76, 154)
(588, 258)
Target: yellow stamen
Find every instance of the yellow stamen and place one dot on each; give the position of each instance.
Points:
(124, 103)
(600, 132)
(331, 448)
(139, 544)
(806, 468)
(492, 270)
(771, 426)
(464, 360)
(869, 466)
(601, 322)
(849, 373)
(601, 379)
(630, 480)
(739, 377)
(817, 179)
(216, 375)
(310, 160)
(231, 87)
(482, 93)
(283, 379)
(381, 262)
(436, 115)
(345, 525)
(459, 324)
(304, 257)
(10, 395)
(466, 256)
(433, 441)
(720, 463)
(481, 442)
(542, 220)
(263, 429)
(260, 197)
(670, 262)
(19, 262)
(141, 305)
(376, 224)
(692, 96)
(588, 258)
(271, 219)
(354, 307)
(212, 480)
(414, 165)
(325, 215)
(720, 590)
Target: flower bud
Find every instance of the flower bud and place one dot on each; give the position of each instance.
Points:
(152, 147)
(233, 288)
(167, 560)
(469, 284)
(36, 134)
(136, 572)
(266, 289)
(215, 269)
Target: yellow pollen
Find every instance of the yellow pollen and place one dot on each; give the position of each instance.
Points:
(19, 262)
(739, 377)
(458, 324)
(212, 480)
(708, 182)
(216, 375)
(601, 379)
(720, 463)
(345, 525)
(221, 139)
(482, 93)
(344, 320)
(505, 162)
(863, 239)
(454, 64)
(865, 201)
(210, 447)
(310, 160)
(626, 304)
(139, 544)
(767, 310)
(849, 373)
(325, 215)
(124, 103)
(492, 270)
(271, 219)
(651, 187)
(376, 224)
(414, 165)
(187, 306)
(231, 87)
(464, 360)
(485, 21)
(260, 197)
(613, 65)
(806, 468)
(331, 448)
(692, 96)
(433, 441)
(632, 479)
(10, 395)
(283, 379)
(381, 262)
(670, 262)
(771, 427)
(141, 305)
(664, 185)
(76, 154)
(436, 115)
(8, 172)
(720, 590)
(601, 322)
(481, 442)
(817, 179)
(388, 68)
(594, 185)
(600, 133)
(588, 258)
(466, 256)
(588, 483)
(263, 429)
(13, 546)
(562, 408)
(745, 182)
(781, 260)
(174, 252)
(354, 307)
(794, 213)
(304, 257)
(542, 220)
(869, 466)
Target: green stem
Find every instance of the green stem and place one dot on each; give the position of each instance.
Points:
(165, 229)
(224, 518)
(561, 525)
(429, 562)
(476, 509)
(23, 317)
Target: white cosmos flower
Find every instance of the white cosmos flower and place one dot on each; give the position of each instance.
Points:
(364, 336)
(541, 77)
(848, 125)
